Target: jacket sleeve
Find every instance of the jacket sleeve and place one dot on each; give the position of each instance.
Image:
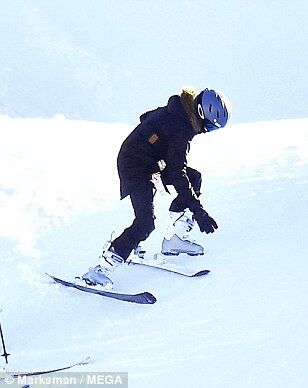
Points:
(175, 171)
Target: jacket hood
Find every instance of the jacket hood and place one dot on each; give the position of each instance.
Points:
(182, 107)
(174, 107)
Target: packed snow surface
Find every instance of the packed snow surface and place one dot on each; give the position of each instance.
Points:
(244, 325)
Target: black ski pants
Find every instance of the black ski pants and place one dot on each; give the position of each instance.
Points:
(142, 201)
(143, 225)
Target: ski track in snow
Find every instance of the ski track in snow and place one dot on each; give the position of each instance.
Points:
(243, 325)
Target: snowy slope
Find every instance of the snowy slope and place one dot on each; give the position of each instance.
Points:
(245, 325)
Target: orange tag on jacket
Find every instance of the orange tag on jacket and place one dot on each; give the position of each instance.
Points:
(153, 139)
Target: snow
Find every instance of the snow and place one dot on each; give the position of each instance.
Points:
(243, 325)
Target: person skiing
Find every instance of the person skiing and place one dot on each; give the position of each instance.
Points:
(157, 149)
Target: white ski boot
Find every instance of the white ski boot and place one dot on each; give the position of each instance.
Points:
(176, 238)
(102, 273)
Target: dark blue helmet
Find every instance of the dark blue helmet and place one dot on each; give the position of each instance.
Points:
(213, 109)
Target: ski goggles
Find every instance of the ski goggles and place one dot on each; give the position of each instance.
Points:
(208, 126)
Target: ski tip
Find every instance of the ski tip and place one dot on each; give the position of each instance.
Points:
(148, 298)
(53, 278)
(85, 361)
(201, 273)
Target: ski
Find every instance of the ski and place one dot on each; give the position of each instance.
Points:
(170, 268)
(142, 298)
(44, 372)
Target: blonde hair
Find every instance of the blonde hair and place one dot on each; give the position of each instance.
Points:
(189, 90)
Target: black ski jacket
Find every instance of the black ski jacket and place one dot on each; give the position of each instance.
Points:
(163, 134)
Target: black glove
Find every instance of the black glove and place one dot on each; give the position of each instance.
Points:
(205, 222)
